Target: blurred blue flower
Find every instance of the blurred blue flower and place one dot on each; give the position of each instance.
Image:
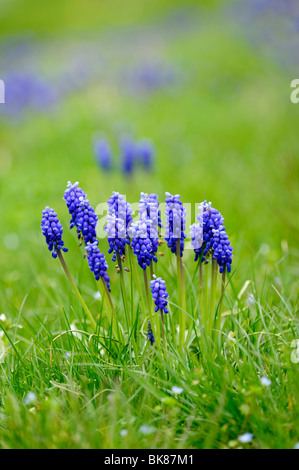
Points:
(103, 154)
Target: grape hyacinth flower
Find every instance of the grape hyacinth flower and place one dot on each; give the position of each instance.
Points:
(145, 154)
(128, 155)
(175, 223)
(83, 215)
(149, 209)
(73, 196)
(86, 221)
(103, 154)
(121, 208)
(174, 235)
(52, 230)
(97, 262)
(215, 238)
(117, 236)
(159, 294)
(144, 247)
(196, 233)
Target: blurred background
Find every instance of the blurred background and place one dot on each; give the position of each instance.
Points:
(190, 97)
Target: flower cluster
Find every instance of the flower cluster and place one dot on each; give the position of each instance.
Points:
(117, 236)
(196, 233)
(52, 230)
(215, 240)
(97, 262)
(117, 205)
(159, 294)
(143, 246)
(149, 209)
(82, 213)
(73, 196)
(103, 154)
(131, 153)
(175, 222)
(119, 220)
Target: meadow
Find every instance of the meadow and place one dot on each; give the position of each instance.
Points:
(208, 84)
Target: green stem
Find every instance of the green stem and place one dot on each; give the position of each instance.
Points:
(152, 270)
(123, 288)
(182, 294)
(149, 303)
(201, 294)
(79, 296)
(112, 315)
(137, 280)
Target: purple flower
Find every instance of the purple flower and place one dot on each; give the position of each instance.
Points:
(83, 215)
(117, 205)
(97, 262)
(117, 235)
(149, 209)
(215, 242)
(144, 247)
(52, 230)
(86, 221)
(145, 154)
(73, 196)
(159, 294)
(175, 222)
(128, 155)
(103, 154)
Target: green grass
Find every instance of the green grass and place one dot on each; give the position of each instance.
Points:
(226, 133)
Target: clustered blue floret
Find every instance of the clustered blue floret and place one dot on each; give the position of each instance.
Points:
(215, 239)
(143, 246)
(82, 213)
(119, 219)
(120, 207)
(103, 154)
(127, 148)
(145, 153)
(97, 262)
(86, 222)
(73, 196)
(52, 230)
(159, 294)
(149, 209)
(175, 222)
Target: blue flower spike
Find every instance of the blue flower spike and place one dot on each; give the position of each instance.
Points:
(97, 263)
(52, 230)
(83, 216)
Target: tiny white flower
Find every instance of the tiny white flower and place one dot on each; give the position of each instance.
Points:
(177, 390)
(250, 299)
(296, 446)
(30, 398)
(97, 295)
(123, 432)
(145, 429)
(67, 355)
(244, 438)
(2, 317)
(265, 381)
